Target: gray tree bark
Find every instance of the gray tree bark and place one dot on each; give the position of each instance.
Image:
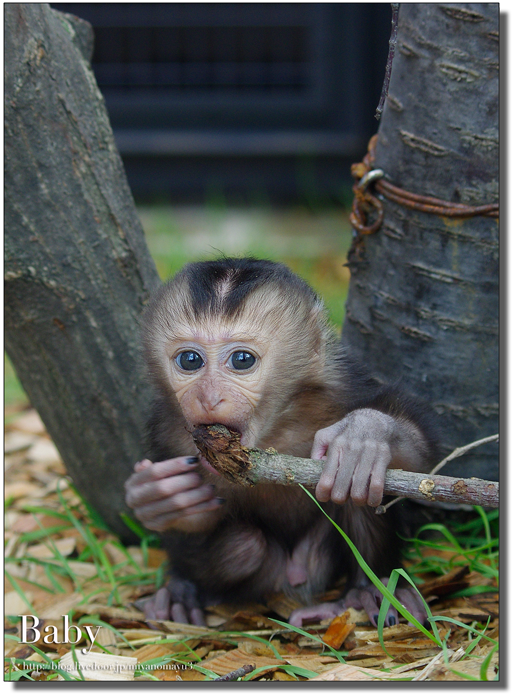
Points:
(77, 269)
(425, 306)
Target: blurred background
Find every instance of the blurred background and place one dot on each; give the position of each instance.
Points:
(237, 124)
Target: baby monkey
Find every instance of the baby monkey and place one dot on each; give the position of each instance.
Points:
(246, 343)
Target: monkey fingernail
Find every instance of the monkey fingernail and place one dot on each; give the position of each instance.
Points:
(220, 500)
(192, 460)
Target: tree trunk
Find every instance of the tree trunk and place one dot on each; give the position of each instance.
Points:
(77, 269)
(424, 306)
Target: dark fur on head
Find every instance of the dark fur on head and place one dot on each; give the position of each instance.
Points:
(239, 277)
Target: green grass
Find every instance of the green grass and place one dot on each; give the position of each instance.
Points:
(13, 391)
(473, 543)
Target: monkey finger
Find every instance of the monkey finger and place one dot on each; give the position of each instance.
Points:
(352, 599)
(369, 604)
(197, 617)
(188, 498)
(413, 602)
(315, 613)
(196, 519)
(369, 476)
(158, 607)
(353, 476)
(323, 438)
(325, 485)
(392, 617)
(179, 505)
(203, 507)
(183, 591)
(157, 471)
(377, 477)
(319, 451)
(156, 491)
(319, 447)
(186, 615)
(178, 613)
(348, 454)
(369, 598)
(336, 456)
(142, 465)
(166, 521)
(158, 524)
(177, 500)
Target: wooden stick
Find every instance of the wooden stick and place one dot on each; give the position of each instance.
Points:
(250, 466)
(239, 673)
(457, 452)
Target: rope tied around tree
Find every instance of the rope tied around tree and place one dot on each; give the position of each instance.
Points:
(367, 205)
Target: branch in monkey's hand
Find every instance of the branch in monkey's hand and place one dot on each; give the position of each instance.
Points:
(249, 466)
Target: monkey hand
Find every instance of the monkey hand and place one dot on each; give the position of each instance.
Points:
(170, 494)
(366, 598)
(357, 452)
(177, 601)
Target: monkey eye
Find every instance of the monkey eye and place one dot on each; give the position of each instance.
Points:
(242, 360)
(189, 360)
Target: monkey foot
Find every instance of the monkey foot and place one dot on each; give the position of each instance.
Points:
(178, 602)
(315, 613)
(367, 598)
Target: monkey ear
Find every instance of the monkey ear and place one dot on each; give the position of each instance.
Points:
(319, 329)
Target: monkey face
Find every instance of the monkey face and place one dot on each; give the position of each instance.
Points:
(234, 365)
(218, 376)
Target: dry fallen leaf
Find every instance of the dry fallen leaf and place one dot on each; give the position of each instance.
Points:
(30, 522)
(43, 450)
(28, 422)
(15, 605)
(16, 441)
(348, 672)
(99, 667)
(236, 658)
(338, 630)
(47, 550)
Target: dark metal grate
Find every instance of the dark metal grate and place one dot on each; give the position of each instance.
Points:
(249, 96)
(194, 57)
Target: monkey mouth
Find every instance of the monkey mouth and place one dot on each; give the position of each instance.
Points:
(247, 438)
(207, 465)
(232, 428)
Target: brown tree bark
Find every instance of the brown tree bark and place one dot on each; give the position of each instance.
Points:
(77, 269)
(423, 307)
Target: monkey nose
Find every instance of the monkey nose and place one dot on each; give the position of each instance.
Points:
(211, 403)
